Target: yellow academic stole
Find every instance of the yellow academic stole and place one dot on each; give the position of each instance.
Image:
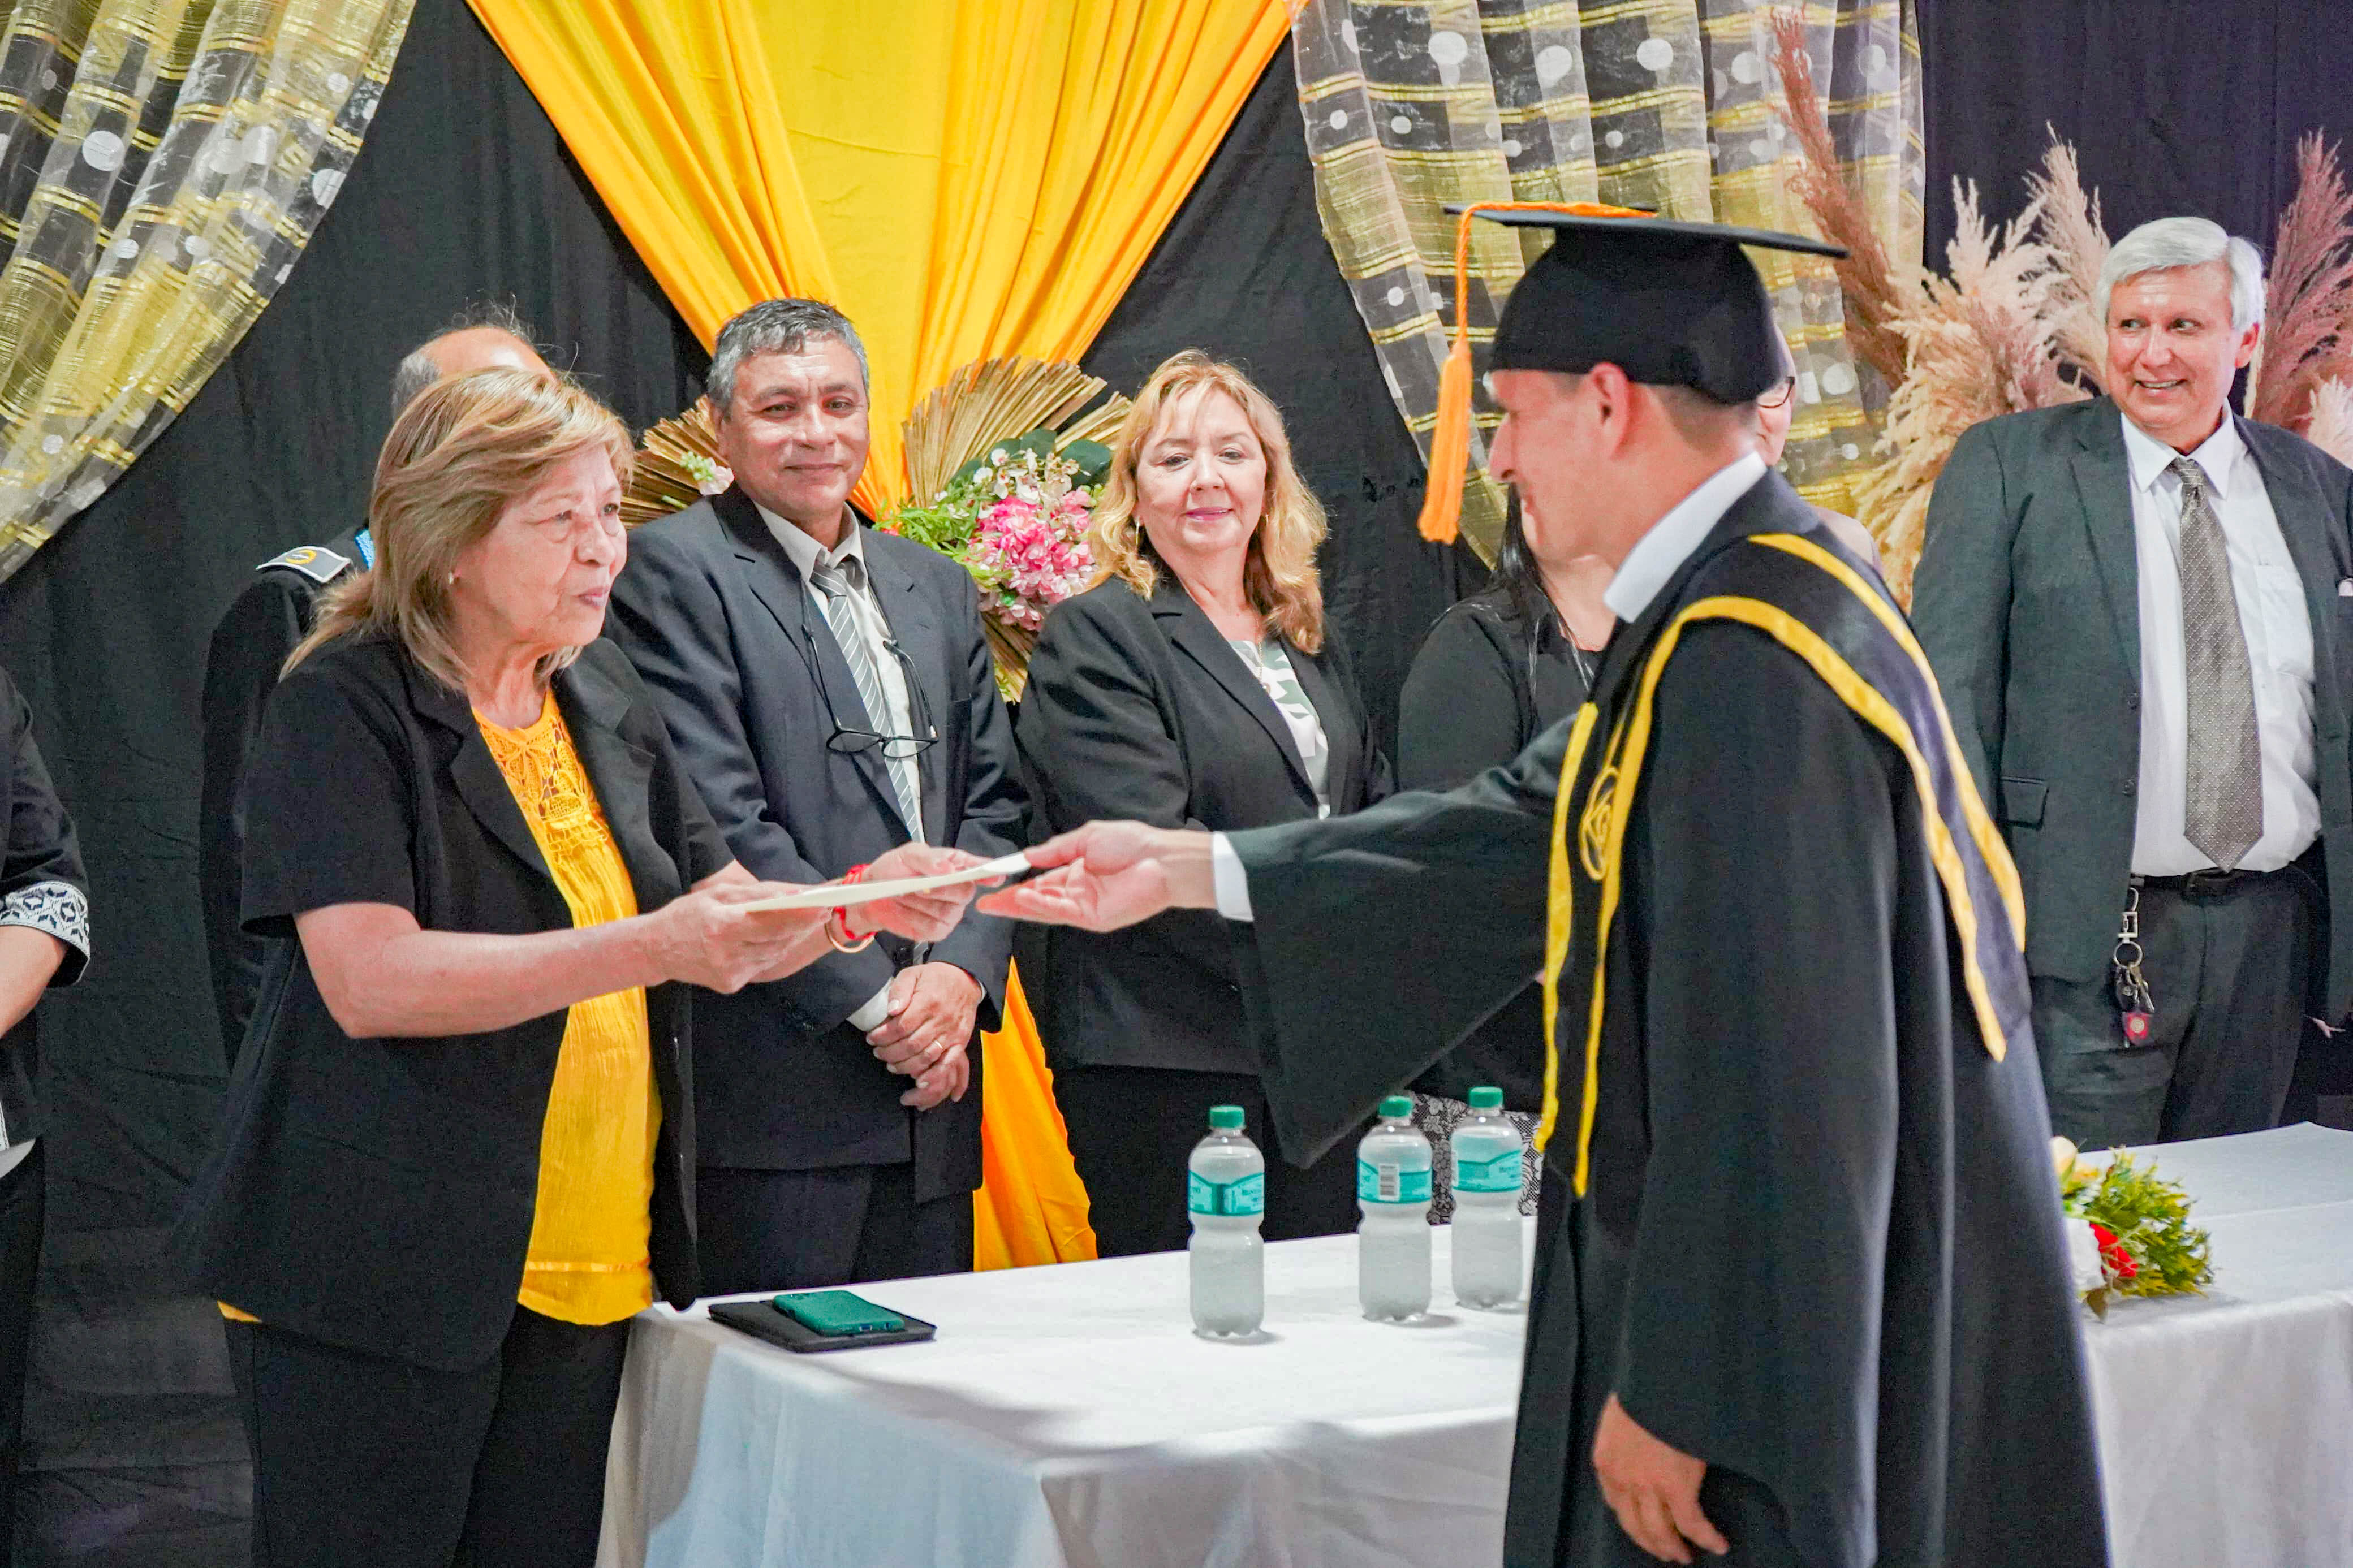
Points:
(1842, 627)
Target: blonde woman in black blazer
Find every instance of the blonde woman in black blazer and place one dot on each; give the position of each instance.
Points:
(1193, 687)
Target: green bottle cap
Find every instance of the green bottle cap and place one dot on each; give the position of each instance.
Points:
(1397, 1105)
(1487, 1098)
(1226, 1118)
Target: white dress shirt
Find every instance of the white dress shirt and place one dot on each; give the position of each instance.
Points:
(2278, 627)
(808, 555)
(1656, 557)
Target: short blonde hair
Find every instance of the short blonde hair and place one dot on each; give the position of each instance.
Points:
(1280, 573)
(462, 452)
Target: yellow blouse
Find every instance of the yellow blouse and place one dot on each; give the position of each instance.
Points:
(588, 1261)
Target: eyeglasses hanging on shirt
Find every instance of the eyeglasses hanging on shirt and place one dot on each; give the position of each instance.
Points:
(850, 740)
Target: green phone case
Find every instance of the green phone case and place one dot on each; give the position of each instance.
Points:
(836, 1313)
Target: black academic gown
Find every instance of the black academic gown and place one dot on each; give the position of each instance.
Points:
(1819, 1242)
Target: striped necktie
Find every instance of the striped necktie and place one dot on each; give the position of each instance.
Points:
(857, 627)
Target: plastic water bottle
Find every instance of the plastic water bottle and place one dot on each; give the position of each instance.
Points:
(1225, 1190)
(1393, 1193)
(1487, 1176)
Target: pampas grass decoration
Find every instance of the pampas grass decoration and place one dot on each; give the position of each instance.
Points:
(2306, 343)
(1867, 280)
(2331, 427)
(2077, 244)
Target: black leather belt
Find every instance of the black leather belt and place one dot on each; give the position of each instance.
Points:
(2210, 883)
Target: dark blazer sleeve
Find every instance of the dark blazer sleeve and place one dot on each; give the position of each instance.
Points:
(993, 808)
(249, 647)
(1960, 598)
(335, 793)
(1099, 744)
(42, 882)
(1459, 712)
(667, 617)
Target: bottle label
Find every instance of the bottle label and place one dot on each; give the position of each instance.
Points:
(1246, 1197)
(1390, 1184)
(1500, 1175)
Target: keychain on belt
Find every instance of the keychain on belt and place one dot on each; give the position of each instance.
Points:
(2134, 1005)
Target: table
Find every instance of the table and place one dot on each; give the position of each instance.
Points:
(2226, 1420)
(1066, 1418)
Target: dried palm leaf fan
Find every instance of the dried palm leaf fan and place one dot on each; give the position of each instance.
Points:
(993, 400)
(678, 464)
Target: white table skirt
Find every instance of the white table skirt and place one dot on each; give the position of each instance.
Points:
(1066, 1418)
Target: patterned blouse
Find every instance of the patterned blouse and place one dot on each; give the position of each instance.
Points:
(1269, 662)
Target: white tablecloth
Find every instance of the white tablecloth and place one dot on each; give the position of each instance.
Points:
(1066, 1418)
(2226, 1420)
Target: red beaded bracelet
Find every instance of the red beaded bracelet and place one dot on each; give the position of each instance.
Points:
(840, 917)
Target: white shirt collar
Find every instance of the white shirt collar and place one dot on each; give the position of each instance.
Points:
(806, 553)
(2219, 455)
(1671, 541)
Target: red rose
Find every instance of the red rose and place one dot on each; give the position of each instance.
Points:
(2119, 1262)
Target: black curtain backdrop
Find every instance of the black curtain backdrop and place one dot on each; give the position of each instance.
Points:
(2175, 106)
(1245, 274)
(461, 191)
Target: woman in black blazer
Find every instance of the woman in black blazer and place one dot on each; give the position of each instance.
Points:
(1193, 687)
(460, 1147)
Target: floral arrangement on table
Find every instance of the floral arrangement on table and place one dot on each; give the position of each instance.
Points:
(1008, 451)
(2013, 326)
(2129, 1233)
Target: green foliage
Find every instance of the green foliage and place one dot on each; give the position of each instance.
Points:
(2151, 1218)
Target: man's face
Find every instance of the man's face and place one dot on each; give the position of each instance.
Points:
(1540, 451)
(2171, 351)
(484, 347)
(795, 435)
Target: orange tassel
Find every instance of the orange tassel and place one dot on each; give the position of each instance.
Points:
(1450, 448)
(1449, 440)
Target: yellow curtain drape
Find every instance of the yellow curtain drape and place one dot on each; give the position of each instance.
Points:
(962, 178)
(1032, 1207)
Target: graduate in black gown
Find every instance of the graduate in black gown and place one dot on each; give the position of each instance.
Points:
(1801, 1292)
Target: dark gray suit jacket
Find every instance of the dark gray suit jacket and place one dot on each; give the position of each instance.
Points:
(714, 615)
(2028, 602)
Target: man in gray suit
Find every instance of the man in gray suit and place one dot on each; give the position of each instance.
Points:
(2140, 608)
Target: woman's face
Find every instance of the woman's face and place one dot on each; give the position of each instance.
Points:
(539, 579)
(1201, 482)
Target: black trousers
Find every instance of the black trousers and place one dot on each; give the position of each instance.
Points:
(2229, 974)
(362, 1462)
(21, 1209)
(1131, 1129)
(796, 1230)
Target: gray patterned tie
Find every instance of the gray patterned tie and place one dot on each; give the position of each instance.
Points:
(2223, 814)
(843, 582)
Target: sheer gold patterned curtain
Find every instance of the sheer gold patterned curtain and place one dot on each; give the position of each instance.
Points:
(162, 163)
(1410, 105)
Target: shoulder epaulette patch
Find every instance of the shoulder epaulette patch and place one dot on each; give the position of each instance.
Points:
(316, 562)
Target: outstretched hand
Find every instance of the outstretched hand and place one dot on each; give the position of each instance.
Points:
(1108, 875)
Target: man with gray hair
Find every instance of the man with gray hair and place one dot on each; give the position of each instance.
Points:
(832, 694)
(2140, 609)
(271, 614)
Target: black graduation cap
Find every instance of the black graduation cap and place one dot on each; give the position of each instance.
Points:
(1670, 303)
